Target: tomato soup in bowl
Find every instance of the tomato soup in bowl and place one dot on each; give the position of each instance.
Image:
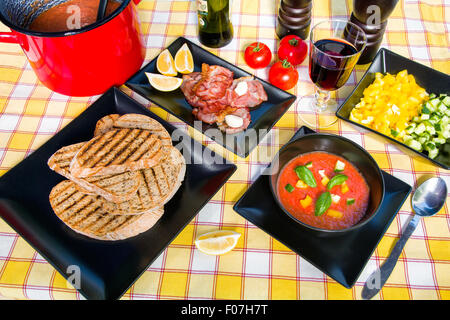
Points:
(327, 183)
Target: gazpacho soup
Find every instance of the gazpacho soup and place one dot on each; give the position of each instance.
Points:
(323, 190)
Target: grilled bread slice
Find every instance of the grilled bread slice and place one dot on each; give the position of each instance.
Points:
(136, 121)
(160, 183)
(105, 124)
(116, 187)
(140, 121)
(84, 214)
(117, 151)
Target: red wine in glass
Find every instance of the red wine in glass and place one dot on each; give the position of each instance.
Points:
(331, 63)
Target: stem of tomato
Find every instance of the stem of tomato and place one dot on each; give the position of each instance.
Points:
(285, 63)
(293, 42)
(257, 48)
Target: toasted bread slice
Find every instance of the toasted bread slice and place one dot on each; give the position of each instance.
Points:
(159, 185)
(105, 124)
(84, 214)
(117, 151)
(140, 121)
(116, 187)
(136, 121)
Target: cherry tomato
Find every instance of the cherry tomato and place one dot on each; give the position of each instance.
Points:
(257, 55)
(283, 75)
(292, 48)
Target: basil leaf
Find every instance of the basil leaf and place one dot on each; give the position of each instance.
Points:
(322, 204)
(336, 180)
(306, 176)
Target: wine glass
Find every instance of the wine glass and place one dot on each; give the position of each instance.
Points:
(335, 47)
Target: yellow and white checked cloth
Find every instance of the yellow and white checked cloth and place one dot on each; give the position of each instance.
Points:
(260, 267)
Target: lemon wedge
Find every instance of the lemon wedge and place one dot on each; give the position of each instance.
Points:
(217, 242)
(163, 83)
(184, 63)
(165, 64)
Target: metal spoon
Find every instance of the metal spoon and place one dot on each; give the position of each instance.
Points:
(427, 200)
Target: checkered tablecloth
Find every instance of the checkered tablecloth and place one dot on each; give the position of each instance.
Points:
(260, 267)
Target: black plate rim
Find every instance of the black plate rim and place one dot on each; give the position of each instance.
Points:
(291, 100)
(301, 132)
(115, 93)
(380, 55)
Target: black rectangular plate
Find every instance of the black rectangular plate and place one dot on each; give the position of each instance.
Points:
(107, 269)
(342, 257)
(432, 80)
(263, 116)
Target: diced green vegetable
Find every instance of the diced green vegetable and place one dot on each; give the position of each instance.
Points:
(309, 165)
(446, 101)
(350, 201)
(420, 128)
(429, 131)
(339, 167)
(416, 145)
(394, 133)
(289, 188)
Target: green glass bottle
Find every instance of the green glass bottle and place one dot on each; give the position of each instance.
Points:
(214, 24)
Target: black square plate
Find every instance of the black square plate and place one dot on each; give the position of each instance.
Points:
(263, 116)
(107, 269)
(432, 80)
(342, 257)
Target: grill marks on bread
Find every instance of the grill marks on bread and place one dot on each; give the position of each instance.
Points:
(115, 187)
(116, 151)
(85, 214)
(157, 187)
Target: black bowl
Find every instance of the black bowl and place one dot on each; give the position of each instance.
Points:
(340, 146)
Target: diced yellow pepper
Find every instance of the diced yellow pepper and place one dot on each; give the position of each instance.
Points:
(306, 202)
(300, 184)
(344, 188)
(391, 101)
(334, 213)
(325, 180)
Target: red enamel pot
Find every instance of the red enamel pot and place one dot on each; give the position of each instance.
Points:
(82, 62)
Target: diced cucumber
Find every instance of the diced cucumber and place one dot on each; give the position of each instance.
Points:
(350, 201)
(442, 107)
(339, 166)
(422, 140)
(427, 108)
(420, 128)
(425, 116)
(289, 188)
(410, 128)
(309, 165)
(437, 127)
(433, 153)
(430, 129)
(434, 102)
(438, 140)
(416, 145)
(446, 101)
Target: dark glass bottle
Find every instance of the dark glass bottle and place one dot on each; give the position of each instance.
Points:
(214, 24)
